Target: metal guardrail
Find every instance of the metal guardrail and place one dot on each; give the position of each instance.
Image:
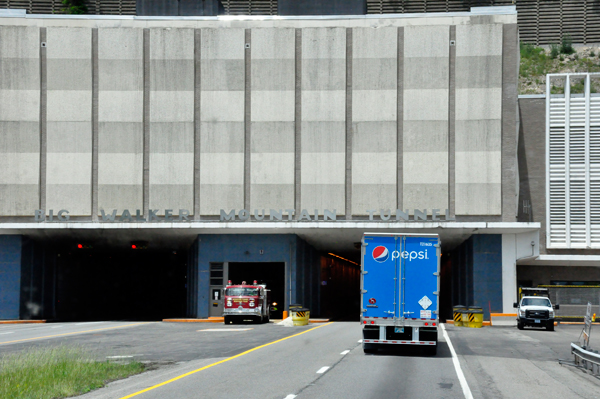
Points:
(586, 359)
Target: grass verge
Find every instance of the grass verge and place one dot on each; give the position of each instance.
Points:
(57, 373)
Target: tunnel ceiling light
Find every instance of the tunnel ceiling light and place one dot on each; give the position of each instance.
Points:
(347, 260)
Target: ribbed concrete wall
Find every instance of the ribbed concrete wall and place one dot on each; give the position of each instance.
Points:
(120, 119)
(292, 114)
(19, 120)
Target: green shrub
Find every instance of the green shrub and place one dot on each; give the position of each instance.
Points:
(592, 54)
(566, 45)
(554, 51)
(74, 7)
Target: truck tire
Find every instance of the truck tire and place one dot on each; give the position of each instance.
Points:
(227, 319)
(550, 326)
(519, 325)
(369, 348)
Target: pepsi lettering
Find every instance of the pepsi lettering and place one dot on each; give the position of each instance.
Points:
(381, 254)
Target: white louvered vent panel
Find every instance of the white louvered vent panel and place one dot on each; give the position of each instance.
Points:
(594, 156)
(577, 169)
(557, 112)
(557, 172)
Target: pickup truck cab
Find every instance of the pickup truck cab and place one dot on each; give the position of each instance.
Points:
(535, 311)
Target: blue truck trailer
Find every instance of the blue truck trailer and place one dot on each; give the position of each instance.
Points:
(400, 285)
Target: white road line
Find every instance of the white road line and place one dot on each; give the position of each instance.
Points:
(290, 396)
(322, 370)
(344, 352)
(459, 373)
(58, 326)
(10, 332)
(119, 357)
(225, 329)
(89, 322)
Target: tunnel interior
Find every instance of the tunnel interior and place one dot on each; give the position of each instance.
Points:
(270, 273)
(70, 280)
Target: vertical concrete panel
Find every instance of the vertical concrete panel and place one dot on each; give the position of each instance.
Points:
(171, 157)
(222, 114)
(120, 119)
(19, 120)
(425, 123)
(69, 120)
(323, 143)
(509, 272)
(478, 115)
(10, 276)
(510, 124)
(273, 113)
(374, 113)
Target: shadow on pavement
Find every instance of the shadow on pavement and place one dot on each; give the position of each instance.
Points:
(443, 351)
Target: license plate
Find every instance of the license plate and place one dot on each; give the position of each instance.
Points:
(399, 330)
(537, 321)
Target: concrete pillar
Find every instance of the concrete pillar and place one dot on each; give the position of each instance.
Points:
(10, 276)
(509, 272)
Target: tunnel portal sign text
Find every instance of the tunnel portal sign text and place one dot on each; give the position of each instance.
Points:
(243, 215)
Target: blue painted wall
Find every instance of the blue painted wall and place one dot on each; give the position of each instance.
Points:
(10, 276)
(300, 259)
(477, 273)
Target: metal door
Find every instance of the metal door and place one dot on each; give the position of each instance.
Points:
(215, 304)
(419, 268)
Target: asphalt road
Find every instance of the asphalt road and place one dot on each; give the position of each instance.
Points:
(192, 360)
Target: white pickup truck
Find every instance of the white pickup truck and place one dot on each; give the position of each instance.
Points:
(535, 311)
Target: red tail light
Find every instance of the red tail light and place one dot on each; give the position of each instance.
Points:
(433, 324)
(372, 322)
(426, 324)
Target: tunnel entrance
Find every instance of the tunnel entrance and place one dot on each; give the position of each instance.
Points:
(119, 284)
(270, 273)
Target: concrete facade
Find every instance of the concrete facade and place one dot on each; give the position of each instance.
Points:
(345, 114)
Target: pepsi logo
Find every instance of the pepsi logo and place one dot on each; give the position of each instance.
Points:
(372, 301)
(380, 254)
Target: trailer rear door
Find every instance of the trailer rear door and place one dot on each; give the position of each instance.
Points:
(380, 272)
(419, 263)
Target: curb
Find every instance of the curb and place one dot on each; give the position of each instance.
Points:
(22, 321)
(485, 323)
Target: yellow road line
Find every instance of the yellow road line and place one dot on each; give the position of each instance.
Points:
(219, 362)
(71, 333)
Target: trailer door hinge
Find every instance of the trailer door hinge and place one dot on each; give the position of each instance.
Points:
(363, 310)
(436, 293)
(436, 274)
(437, 245)
(435, 312)
(365, 272)
(363, 291)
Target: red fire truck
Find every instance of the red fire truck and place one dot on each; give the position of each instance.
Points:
(246, 302)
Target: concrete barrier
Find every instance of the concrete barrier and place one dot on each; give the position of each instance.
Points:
(503, 319)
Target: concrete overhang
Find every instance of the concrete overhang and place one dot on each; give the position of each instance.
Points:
(332, 236)
(561, 260)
